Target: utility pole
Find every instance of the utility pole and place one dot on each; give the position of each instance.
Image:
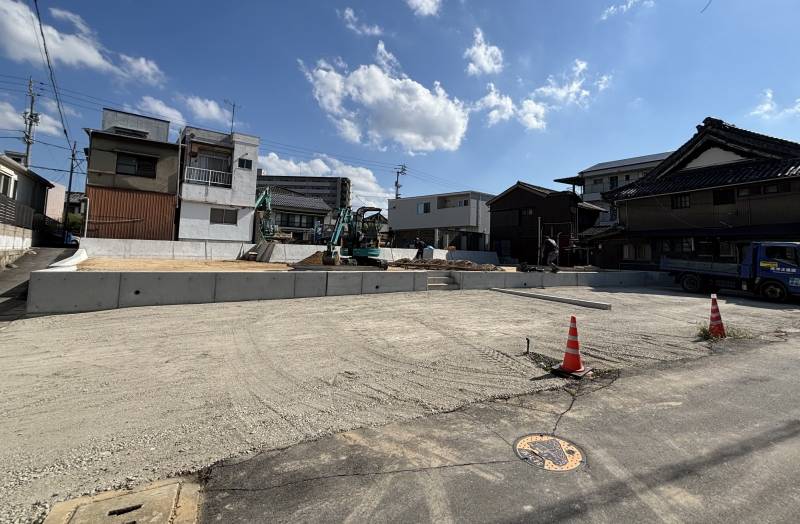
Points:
(233, 111)
(31, 119)
(69, 190)
(400, 171)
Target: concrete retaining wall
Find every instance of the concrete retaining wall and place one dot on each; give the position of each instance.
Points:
(59, 291)
(166, 249)
(285, 253)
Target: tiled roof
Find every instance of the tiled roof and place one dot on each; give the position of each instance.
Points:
(282, 197)
(733, 173)
(627, 162)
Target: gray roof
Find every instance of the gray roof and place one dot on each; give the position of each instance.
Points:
(628, 162)
(282, 197)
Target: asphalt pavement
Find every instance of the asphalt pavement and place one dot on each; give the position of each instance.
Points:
(715, 439)
(14, 282)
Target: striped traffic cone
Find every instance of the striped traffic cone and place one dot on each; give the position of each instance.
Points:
(572, 364)
(715, 326)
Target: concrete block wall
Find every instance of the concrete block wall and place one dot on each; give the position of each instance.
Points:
(14, 241)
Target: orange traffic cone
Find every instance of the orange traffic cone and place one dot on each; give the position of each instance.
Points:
(715, 326)
(572, 364)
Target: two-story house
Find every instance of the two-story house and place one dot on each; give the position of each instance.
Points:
(523, 214)
(723, 187)
(608, 176)
(218, 185)
(448, 219)
(334, 190)
(132, 178)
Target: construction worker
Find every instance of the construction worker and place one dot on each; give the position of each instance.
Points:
(420, 245)
(550, 252)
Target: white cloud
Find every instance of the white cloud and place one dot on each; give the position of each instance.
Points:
(425, 7)
(51, 106)
(11, 118)
(531, 114)
(159, 109)
(533, 110)
(351, 21)
(483, 58)
(569, 90)
(603, 83)
(142, 69)
(374, 105)
(768, 108)
(387, 60)
(364, 185)
(208, 110)
(500, 107)
(621, 9)
(78, 48)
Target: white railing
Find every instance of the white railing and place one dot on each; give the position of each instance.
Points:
(209, 177)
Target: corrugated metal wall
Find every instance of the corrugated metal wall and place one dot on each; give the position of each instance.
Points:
(122, 213)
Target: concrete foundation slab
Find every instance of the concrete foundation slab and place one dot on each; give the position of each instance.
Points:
(69, 292)
(310, 283)
(420, 280)
(233, 287)
(156, 289)
(344, 283)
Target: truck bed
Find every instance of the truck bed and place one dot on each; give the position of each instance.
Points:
(697, 266)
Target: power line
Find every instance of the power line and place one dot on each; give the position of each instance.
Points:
(52, 72)
(57, 169)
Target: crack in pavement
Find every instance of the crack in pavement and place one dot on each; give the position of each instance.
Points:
(366, 474)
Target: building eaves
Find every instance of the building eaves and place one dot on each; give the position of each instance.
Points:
(731, 174)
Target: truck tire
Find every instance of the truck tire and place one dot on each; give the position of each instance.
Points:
(692, 283)
(772, 290)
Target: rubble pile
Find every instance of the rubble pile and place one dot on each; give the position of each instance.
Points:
(458, 265)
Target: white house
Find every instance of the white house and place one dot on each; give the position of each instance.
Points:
(218, 185)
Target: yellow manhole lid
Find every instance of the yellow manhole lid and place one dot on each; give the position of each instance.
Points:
(548, 452)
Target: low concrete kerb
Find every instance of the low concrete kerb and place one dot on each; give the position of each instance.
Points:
(79, 256)
(554, 298)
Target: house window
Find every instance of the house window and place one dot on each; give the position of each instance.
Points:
(423, 208)
(612, 212)
(782, 187)
(629, 252)
(528, 212)
(627, 178)
(224, 216)
(613, 182)
(748, 191)
(597, 182)
(724, 196)
(245, 163)
(681, 201)
(136, 165)
(643, 252)
(5, 188)
(727, 249)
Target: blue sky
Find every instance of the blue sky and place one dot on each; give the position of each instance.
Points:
(469, 94)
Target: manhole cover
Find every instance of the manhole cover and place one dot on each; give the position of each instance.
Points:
(548, 452)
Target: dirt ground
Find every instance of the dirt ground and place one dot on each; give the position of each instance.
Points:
(109, 399)
(156, 264)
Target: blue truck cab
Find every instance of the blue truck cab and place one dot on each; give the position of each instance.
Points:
(772, 269)
(769, 269)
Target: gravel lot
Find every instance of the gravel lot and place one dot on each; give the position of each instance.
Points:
(110, 399)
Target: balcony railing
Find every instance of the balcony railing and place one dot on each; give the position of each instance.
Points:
(208, 177)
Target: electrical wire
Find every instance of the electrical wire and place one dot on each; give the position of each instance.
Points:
(52, 73)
